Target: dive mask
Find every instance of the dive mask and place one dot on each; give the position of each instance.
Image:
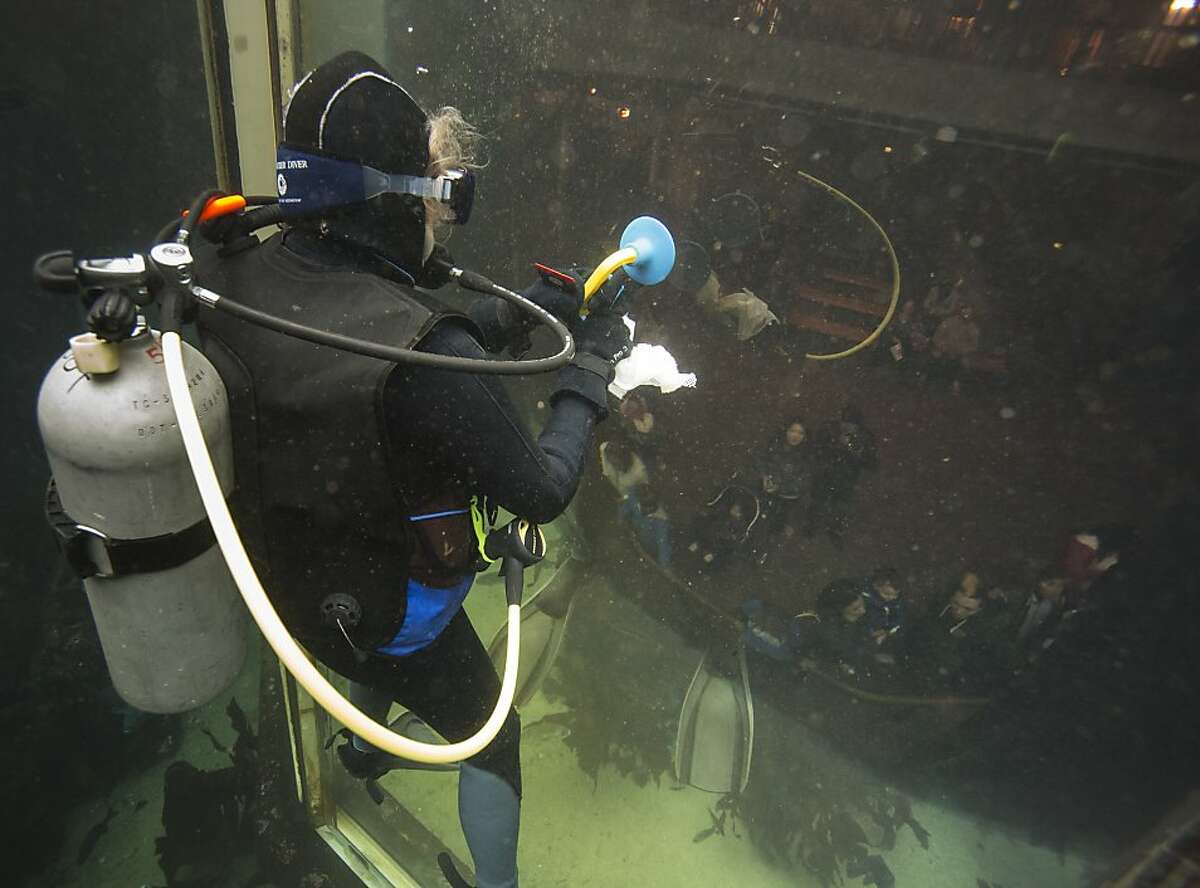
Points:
(308, 183)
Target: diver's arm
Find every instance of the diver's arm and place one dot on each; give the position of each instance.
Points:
(504, 326)
(472, 422)
(501, 323)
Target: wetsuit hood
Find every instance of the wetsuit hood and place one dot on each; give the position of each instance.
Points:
(351, 108)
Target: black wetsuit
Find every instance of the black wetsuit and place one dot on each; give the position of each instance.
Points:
(448, 435)
(463, 430)
(364, 469)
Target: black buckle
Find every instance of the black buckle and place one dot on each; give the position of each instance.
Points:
(73, 539)
(92, 553)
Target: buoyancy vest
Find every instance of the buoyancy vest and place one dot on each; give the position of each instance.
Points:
(322, 508)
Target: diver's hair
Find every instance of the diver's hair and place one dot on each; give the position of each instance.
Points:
(453, 142)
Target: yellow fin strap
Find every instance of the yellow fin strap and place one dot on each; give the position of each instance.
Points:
(479, 523)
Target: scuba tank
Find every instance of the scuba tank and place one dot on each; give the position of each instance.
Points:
(130, 520)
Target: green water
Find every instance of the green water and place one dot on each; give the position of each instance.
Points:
(1034, 165)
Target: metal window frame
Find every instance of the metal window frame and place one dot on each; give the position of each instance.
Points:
(249, 54)
(250, 48)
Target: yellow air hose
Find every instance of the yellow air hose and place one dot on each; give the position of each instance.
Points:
(887, 242)
(627, 255)
(604, 270)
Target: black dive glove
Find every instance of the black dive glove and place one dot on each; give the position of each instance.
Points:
(601, 339)
(604, 335)
(505, 326)
(560, 293)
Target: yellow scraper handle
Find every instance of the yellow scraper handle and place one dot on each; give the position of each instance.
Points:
(605, 269)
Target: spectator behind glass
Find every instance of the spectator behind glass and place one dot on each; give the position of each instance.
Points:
(884, 609)
(725, 530)
(842, 637)
(787, 478)
(842, 450)
(650, 522)
(964, 604)
(1043, 609)
(1089, 554)
(642, 430)
(623, 468)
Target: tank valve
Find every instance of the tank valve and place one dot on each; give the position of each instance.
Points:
(95, 356)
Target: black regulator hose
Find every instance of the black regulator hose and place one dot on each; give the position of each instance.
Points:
(171, 308)
(269, 213)
(405, 355)
(471, 280)
(251, 221)
(193, 217)
(56, 272)
(185, 226)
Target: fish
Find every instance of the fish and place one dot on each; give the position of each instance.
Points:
(88, 845)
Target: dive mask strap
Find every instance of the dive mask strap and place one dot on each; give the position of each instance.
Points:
(309, 183)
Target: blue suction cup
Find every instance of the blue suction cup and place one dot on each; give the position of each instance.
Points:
(655, 249)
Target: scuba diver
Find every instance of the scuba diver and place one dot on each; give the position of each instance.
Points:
(361, 482)
(842, 450)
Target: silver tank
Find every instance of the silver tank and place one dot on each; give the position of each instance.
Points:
(176, 638)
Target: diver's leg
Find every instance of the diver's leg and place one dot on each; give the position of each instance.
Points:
(374, 703)
(490, 813)
(371, 682)
(452, 686)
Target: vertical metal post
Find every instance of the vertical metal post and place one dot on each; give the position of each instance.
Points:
(214, 44)
(253, 76)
